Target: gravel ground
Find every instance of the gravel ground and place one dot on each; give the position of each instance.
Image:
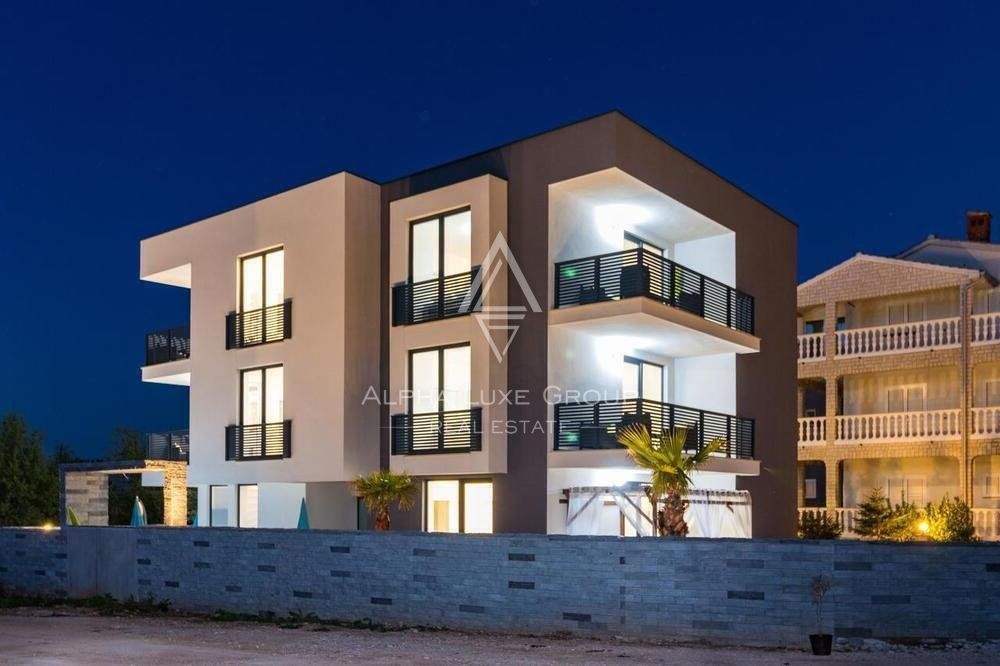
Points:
(44, 636)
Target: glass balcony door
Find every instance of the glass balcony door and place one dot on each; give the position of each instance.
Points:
(642, 379)
(262, 285)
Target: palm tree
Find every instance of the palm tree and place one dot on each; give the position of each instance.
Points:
(671, 471)
(380, 490)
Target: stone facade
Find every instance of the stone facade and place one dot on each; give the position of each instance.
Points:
(737, 591)
(868, 277)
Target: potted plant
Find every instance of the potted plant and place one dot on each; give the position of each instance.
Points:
(822, 644)
(380, 490)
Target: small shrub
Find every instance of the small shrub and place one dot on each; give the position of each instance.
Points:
(950, 520)
(816, 525)
(880, 520)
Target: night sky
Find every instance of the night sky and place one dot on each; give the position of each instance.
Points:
(869, 124)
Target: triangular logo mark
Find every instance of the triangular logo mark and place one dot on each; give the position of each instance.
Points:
(498, 317)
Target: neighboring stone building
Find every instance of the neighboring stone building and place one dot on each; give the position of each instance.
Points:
(899, 378)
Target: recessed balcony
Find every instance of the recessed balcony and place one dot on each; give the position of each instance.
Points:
(639, 297)
(596, 425)
(174, 445)
(459, 431)
(641, 272)
(261, 441)
(439, 298)
(168, 354)
(258, 327)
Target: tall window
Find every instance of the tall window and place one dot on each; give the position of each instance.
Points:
(262, 289)
(247, 510)
(218, 515)
(642, 379)
(459, 505)
(440, 379)
(441, 246)
(263, 391)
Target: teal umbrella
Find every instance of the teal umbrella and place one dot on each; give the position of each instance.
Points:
(138, 513)
(303, 516)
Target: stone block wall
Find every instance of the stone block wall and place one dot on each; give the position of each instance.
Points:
(737, 591)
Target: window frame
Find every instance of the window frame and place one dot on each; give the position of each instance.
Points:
(906, 388)
(263, 393)
(441, 244)
(239, 505)
(440, 369)
(211, 496)
(263, 278)
(462, 482)
(635, 360)
(643, 244)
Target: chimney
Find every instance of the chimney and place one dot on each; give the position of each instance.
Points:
(977, 225)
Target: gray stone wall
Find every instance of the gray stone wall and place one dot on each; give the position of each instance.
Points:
(724, 590)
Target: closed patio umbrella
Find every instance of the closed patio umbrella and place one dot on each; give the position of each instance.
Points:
(138, 514)
(303, 516)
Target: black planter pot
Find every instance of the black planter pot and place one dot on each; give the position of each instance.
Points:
(822, 644)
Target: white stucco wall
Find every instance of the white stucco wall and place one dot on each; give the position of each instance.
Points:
(329, 231)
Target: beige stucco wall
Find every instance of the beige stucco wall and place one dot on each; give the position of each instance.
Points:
(486, 196)
(329, 230)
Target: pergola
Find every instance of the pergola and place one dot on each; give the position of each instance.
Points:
(84, 487)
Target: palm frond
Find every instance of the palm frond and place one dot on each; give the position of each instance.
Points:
(666, 457)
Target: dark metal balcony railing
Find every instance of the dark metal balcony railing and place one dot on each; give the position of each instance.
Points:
(168, 445)
(440, 298)
(267, 441)
(258, 327)
(640, 272)
(595, 425)
(172, 344)
(438, 432)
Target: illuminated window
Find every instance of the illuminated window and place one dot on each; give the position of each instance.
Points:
(262, 285)
(459, 505)
(218, 506)
(642, 379)
(247, 510)
(441, 246)
(633, 242)
(263, 391)
(440, 379)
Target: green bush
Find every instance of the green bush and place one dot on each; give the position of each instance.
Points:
(879, 519)
(950, 520)
(816, 525)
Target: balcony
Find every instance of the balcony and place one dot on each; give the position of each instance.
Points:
(430, 300)
(640, 272)
(171, 344)
(268, 441)
(812, 430)
(595, 425)
(173, 445)
(458, 431)
(258, 327)
(899, 338)
(899, 426)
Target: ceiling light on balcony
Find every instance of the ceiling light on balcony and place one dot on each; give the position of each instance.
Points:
(613, 219)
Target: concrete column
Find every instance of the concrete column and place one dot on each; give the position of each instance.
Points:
(964, 459)
(830, 379)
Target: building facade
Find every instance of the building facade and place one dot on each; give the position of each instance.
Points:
(899, 378)
(487, 326)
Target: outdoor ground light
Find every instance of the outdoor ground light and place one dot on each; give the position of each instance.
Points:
(924, 527)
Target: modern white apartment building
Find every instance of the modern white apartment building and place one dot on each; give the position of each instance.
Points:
(899, 378)
(487, 326)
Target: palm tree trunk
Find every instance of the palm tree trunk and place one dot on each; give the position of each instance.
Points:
(672, 521)
(382, 520)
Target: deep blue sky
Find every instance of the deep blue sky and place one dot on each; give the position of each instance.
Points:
(870, 124)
